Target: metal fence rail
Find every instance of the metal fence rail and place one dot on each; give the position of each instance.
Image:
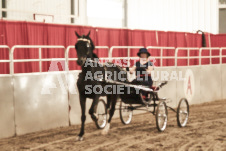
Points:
(5, 47)
(161, 57)
(188, 57)
(110, 57)
(210, 54)
(6, 60)
(12, 60)
(221, 54)
(123, 47)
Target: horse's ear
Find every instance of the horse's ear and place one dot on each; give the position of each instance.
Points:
(88, 34)
(77, 34)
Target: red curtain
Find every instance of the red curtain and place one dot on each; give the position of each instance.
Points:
(167, 39)
(29, 33)
(193, 40)
(141, 38)
(181, 42)
(219, 41)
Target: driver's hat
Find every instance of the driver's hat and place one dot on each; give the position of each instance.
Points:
(143, 50)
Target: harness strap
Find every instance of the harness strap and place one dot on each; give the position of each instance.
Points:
(83, 39)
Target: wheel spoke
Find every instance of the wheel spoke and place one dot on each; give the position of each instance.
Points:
(161, 116)
(182, 113)
(101, 114)
(125, 113)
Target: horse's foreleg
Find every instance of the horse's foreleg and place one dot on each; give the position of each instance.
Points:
(113, 101)
(83, 117)
(91, 110)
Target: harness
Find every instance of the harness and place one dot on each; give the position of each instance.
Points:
(84, 39)
(113, 81)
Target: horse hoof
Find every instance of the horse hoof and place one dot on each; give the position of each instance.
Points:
(106, 129)
(80, 138)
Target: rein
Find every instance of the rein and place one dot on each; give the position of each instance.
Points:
(122, 83)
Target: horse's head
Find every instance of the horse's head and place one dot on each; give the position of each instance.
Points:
(84, 48)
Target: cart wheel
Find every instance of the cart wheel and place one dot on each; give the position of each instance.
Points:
(101, 113)
(161, 116)
(126, 113)
(182, 112)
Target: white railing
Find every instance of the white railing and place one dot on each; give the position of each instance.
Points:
(175, 57)
(5, 60)
(188, 57)
(221, 54)
(34, 60)
(161, 57)
(210, 54)
(123, 47)
(66, 58)
(5, 47)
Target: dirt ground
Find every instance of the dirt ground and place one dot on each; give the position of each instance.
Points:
(206, 130)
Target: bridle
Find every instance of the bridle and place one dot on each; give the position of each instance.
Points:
(88, 45)
(86, 40)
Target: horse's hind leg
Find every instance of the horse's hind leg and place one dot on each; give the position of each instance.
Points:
(83, 117)
(112, 109)
(113, 101)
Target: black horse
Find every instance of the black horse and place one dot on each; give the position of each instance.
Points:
(86, 59)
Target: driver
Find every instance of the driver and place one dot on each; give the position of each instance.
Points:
(143, 69)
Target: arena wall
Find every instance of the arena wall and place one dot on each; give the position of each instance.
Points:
(180, 84)
(7, 119)
(223, 81)
(210, 83)
(40, 101)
